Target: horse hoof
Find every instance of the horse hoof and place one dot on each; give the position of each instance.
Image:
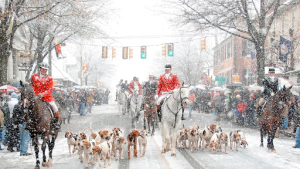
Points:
(44, 164)
(173, 154)
(37, 167)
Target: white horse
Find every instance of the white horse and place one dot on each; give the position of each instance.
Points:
(122, 102)
(171, 117)
(135, 105)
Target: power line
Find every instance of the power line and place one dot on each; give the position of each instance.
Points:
(134, 45)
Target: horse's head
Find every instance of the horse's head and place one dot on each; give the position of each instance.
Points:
(27, 93)
(136, 90)
(283, 96)
(182, 94)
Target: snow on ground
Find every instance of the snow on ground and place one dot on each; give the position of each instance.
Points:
(106, 116)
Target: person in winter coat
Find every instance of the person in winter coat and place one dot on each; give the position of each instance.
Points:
(13, 130)
(1, 126)
(217, 100)
(24, 136)
(191, 102)
(250, 111)
(82, 98)
(89, 101)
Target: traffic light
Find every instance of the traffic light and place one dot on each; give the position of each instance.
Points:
(170, 49)
(203, 43)
(130, 53)
(143, 52)
(104, 52)
(164, 50)
(113, 52)
(125, 52)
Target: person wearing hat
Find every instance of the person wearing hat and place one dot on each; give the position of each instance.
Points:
(43, 86)
(89, 101)
(150, 86)
(270, 89)
(131, 86)
(168, 82)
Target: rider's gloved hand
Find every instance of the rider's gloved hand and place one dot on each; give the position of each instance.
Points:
(156, 97)
(41, 95)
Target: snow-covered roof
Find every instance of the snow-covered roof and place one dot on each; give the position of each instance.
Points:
(60, 74)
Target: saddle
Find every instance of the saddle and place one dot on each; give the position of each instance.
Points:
(50, 109)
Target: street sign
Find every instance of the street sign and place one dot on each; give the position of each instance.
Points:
(222, 79)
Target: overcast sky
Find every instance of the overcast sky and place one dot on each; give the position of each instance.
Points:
(140, 20)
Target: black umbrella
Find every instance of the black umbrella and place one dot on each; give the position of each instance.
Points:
(236, 85)
(16, 84)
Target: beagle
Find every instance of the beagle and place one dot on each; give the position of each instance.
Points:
(181, 138)
(132, 141)
(235, 139)
(87, 150)
(243, 139)
(119, 144)
(95, 136)
(223, 139)
(96, 151)
(106, 149)
(214, 140)
(116, 133)
(193, 139)
(71, 139)
(207, 133)
(142, 138)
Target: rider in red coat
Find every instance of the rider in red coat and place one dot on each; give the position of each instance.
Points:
(43, 86)
(168, 83)
(131, 86)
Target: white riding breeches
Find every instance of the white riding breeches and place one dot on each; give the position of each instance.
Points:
(161, 97)
(54, 107)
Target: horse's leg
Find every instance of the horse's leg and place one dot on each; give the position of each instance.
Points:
(51, 147)
(45, 140)
(261, 135)
(36, 150)
(173, 153)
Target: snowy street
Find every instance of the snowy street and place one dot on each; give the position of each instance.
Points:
(105, 117)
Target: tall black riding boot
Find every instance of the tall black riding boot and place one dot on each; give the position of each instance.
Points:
(56, 123)
(259, 113)
(159, 113)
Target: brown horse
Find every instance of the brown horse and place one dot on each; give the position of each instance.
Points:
(39, 121)
(150, 112)
(272, 115)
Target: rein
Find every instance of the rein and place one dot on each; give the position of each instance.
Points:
(178, 101)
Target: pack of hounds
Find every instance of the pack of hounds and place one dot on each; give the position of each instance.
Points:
(105, 144)
(211, 137)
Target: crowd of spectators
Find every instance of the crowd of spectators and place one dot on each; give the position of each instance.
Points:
(239, 106)
(12, 124)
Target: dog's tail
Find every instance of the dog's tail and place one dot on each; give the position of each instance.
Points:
(91, 127)
(84, 129)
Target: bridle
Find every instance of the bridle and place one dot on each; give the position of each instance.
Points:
(178, 101)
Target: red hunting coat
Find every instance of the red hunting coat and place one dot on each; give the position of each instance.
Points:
(167, 84)
(44, 86)
(131, 87)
